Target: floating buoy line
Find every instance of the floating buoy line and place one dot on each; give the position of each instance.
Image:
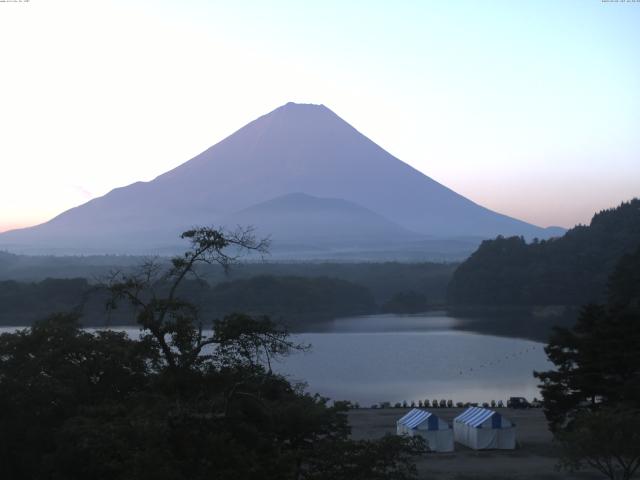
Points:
(497, 360)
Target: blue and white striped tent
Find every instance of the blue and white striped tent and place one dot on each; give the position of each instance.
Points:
(436, 432)
(481, 428)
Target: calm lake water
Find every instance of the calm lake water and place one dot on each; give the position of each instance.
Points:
(378, 358)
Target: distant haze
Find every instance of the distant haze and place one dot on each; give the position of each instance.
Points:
(301, 174)
(528, 108)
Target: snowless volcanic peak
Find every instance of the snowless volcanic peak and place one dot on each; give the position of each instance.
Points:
(297, 148)
(298, 218)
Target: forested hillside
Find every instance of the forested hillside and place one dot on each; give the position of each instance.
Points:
(294, 300)
(570, 270)
(292, 297)
(22, 303)
(624, 283)
(296, 292)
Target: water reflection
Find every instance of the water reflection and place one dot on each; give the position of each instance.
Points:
(371, 359)
(433, 321)
(373, 367)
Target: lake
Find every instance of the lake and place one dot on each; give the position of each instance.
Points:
(392, 358)
(371, 359)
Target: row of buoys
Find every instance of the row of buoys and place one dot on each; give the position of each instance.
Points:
(499, 360)
(436, 404)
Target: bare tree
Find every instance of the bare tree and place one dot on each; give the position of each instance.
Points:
(172, 323)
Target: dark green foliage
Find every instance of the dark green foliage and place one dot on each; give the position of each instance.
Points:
(177, 403)
(624, 291)
(50, 374)
(23, 302)
(77, 405)
(293, 297)
(382, 279)
(571, 270)
(329, 289)
(406, 302)
(390, 458)
(597, 362)
(607, 440)
(592, 397)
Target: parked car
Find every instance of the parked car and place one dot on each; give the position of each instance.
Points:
(535, 403)
(518, 402)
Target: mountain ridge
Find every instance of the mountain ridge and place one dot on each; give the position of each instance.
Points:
(295, 148)
(302, 218)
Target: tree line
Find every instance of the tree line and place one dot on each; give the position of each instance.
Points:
(382, 279)
(177, 403)
(295, 300)
(570, 270)
(592, 397)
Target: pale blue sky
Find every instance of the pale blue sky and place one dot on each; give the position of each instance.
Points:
(529, 108)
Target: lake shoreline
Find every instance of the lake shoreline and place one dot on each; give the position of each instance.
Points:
(412, 358)
(528, 323)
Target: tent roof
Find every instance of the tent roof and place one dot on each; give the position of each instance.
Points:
(408, 414)
(415, 417)
(475, 416)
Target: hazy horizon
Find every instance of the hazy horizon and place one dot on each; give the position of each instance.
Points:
(530, 110)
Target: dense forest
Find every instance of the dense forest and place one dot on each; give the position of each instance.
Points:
(293, 300)
(384, 280)
(570, 270)
(293, 293)
(593, 391)
(188, 400)
(23, 303)
(39, 267)
(290, 299)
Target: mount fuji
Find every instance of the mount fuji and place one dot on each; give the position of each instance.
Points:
(299, 173)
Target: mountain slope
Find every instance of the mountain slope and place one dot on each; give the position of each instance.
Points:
(300, 218)
(570, 270)
(295, 148)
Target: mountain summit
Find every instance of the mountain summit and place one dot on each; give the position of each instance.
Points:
(297, 148)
